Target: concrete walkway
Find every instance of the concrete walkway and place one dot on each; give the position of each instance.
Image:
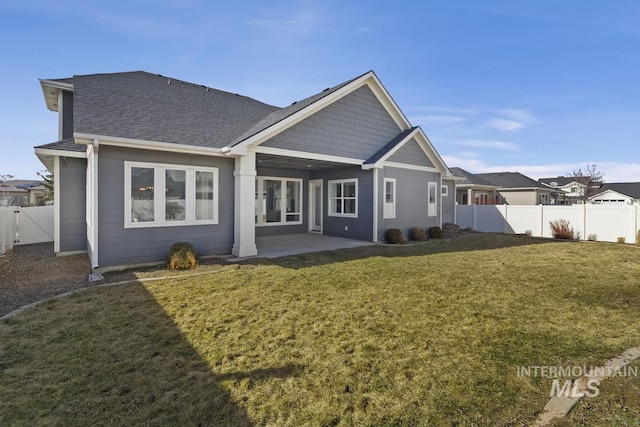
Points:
(292, 244)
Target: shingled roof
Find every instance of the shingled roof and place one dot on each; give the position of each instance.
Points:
(140, 105)
(561, 181)
(631, 189)
(511, 180)
(470, 178)
(64, 145)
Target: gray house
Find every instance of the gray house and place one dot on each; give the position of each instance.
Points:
(143, 161)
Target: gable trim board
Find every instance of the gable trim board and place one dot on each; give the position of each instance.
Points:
(369, 79)
(379, 159)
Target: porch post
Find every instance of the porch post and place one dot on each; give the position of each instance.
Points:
(244, 227)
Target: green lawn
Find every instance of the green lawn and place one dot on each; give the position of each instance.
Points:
(428, 335)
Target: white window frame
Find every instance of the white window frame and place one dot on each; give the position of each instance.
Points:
(432, 208)
(391, 213)
(445, 190)
(283, 214)
(329, 198)
(159, 200)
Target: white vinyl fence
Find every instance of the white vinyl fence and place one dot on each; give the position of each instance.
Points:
(22, 226)
(607, 222)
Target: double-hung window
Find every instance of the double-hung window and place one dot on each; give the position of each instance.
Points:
(167, 195)
(278, 201)
(343, 198)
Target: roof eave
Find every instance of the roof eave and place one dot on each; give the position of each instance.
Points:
(50, 91)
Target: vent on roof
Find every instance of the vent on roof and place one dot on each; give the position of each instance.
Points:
(326, 89)
(294, 102)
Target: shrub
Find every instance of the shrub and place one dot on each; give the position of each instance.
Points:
(592, 237)
(560, 229)
(528, 233)
(435, 232)
(182, 256)
(417, 234)
(621, 239)
(394, 236)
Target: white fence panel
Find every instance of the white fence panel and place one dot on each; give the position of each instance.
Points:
(521, 219)
(611, 222)
(572, 213)
(607, 222)
(491, 218)
(7, 228)
(464, 216)
(35, 225)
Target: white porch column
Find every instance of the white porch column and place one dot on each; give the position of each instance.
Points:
(244, 226)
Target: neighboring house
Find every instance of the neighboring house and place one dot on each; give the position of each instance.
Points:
(473, 190)
(617, 192)
(568, 189)
(518, 189)
(22, 193)
(143, 161)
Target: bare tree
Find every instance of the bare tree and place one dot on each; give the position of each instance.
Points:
(47, 182)
(591, 178)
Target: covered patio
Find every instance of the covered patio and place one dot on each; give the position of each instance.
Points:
(299, 243)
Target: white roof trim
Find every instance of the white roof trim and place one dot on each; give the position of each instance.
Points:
(51, 97)
(61, 153)
(424, 143)
(84, 138)
(369, 79)
(612, 192)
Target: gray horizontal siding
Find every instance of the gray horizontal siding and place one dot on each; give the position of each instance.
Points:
(449, 203)
(356, 126)
(67, 115)
(360, 228)
(411, 153)
(120, 246)
(411, 200)
(73, 219)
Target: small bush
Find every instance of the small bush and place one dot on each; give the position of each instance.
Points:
(528, 233)
(592, 237)
(394, 236)
(182, 256)
(621, 239)
(417, 234)
(435, 232)
(560, 229)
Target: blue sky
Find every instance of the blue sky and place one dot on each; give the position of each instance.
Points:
(540, 87)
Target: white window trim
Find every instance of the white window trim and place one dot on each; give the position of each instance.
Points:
(434, 212)
(384, 200)
(341, 181)
(159, 202)
(283, 184)
(445, 190)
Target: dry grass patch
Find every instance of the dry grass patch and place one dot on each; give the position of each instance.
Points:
(424, 335)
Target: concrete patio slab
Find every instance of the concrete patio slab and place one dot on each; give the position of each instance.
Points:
(293, 244)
